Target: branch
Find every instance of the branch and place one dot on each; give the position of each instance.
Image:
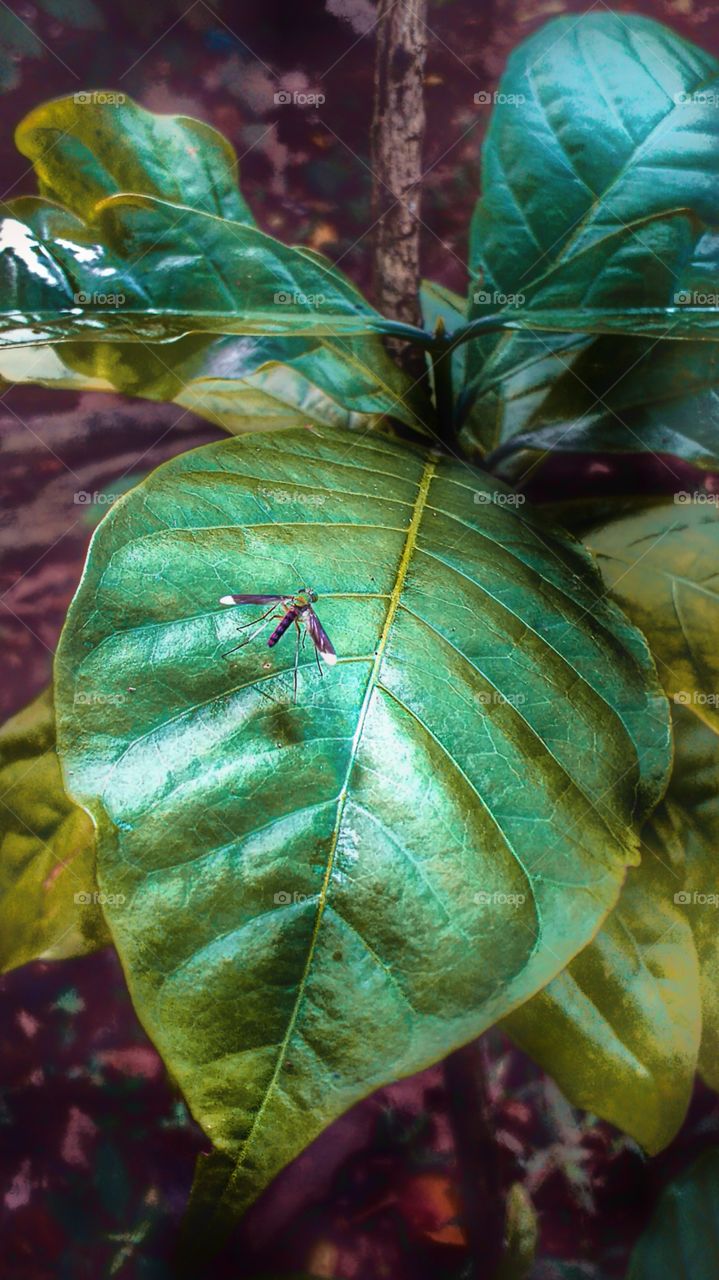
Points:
(397, 135)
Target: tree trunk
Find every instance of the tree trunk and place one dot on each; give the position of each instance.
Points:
(397, 135)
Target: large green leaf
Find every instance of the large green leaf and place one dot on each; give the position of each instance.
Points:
(323, 897)
(660, 564)
(99, 143)
(620, 1028)
(682, 1239)
(49, 906)
(613, 114)
(145, 269)
(51, 259)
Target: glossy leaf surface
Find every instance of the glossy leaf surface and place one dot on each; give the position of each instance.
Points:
(614, 115)
(324, 896)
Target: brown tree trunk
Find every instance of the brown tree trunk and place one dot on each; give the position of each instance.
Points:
(397, 135)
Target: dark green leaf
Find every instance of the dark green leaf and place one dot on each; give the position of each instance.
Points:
(682, 1240)
(323, 897)
(594, 111)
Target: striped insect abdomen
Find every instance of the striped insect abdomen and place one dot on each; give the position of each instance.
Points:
(282, 626)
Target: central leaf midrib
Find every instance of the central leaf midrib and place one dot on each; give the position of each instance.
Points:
(409, 546)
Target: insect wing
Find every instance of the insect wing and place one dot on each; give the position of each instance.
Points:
(320, 639)
(251, 599)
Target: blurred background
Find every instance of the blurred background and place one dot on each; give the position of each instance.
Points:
(97, 1148)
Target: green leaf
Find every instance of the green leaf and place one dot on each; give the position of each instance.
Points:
(593, 110)
(241, 384)
(619, 1029)
(684, 833)
(686, 427)
(77, 281)
(521, 1234)
(99, 143)
(323, 897)
(682, 1239)
(148, 270)
(47, 850)
(660, 565)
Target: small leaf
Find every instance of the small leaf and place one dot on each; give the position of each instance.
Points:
(682, 1239)
(521, 1234)
(322, 897)
(48, 892)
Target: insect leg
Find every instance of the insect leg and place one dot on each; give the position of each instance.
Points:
(260, 617)
(297, 661)
(263, 625)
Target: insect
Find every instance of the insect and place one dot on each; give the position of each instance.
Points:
(287, 609)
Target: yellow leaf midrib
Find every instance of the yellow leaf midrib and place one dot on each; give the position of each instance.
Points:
(393, 605)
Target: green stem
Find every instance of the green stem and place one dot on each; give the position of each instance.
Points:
(441, 357)
(485, 324)
(432, 341)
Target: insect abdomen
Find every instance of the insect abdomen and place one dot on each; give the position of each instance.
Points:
(282, 626)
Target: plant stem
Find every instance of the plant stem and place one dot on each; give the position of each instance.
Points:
(397, 135)
(442, 376)
(483, 1210)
